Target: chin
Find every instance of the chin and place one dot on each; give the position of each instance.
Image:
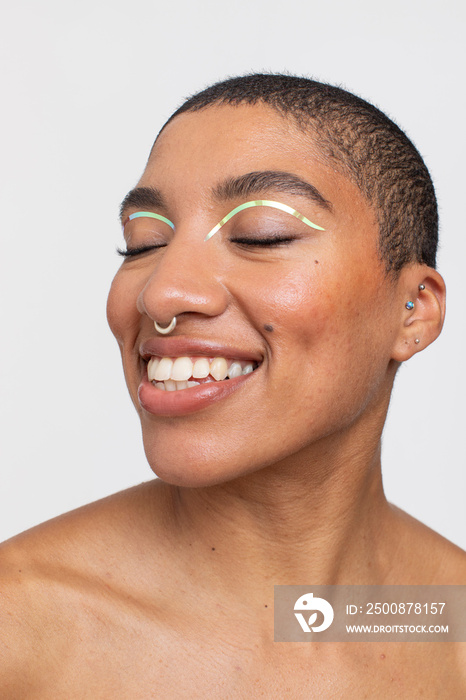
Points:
(191, 477)
(188, 467)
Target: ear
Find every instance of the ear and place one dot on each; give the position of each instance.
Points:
(421, 325)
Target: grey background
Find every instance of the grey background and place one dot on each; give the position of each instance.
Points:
(85, 87)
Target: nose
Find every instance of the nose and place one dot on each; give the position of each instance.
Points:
(187, 278)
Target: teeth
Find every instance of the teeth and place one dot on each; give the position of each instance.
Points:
(219, 368)
(171, 385)
(182, 369)
(163, 369)
(151, 367)
(235, 370)
(201, 368)
(170, 374)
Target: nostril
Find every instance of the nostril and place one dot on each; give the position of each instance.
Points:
(173, 288)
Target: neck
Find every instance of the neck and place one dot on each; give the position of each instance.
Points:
(315, 519)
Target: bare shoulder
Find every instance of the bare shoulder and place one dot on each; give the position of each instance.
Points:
(77, 538)
(20, 622)
(425, 556)
(64, 581)
(438, 562)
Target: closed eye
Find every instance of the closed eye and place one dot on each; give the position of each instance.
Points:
(130, 252)
(275, 241)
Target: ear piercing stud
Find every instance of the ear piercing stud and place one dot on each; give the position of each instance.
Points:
(167, 329)
(410, 305)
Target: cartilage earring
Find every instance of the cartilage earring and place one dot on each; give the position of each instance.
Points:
(409, 305)
(421, 287)
(167, 329)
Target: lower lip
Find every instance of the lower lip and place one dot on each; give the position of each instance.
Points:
(184, 401)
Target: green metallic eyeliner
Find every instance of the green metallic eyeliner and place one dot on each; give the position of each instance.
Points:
(262, 203)
(236, 210)
(151, 215)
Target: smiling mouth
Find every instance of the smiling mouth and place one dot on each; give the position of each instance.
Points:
(180, 373)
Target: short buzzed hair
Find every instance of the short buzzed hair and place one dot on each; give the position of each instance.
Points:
(361, 142)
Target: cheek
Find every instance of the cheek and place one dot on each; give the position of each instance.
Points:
(327, 324)
(300, 305)
(122, 314)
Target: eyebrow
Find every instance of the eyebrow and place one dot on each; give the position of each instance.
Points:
(245, 185)
(254, 183)
(142, 198)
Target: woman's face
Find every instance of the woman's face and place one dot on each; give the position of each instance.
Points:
(316, 314)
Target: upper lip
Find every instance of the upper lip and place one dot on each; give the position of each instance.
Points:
(182, 346)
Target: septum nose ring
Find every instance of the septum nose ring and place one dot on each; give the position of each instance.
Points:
(167, 329)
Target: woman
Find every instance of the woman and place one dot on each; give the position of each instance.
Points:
(279, 267)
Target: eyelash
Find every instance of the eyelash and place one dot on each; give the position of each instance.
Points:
(276, 241)
(130, 252)
(253, 242)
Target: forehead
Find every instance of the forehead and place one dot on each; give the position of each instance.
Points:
(250, 131)
(199, 149)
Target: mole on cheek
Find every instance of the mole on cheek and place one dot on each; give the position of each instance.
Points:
(268, 327)
(316, 262)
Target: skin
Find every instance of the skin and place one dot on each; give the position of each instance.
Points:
(166, 590)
